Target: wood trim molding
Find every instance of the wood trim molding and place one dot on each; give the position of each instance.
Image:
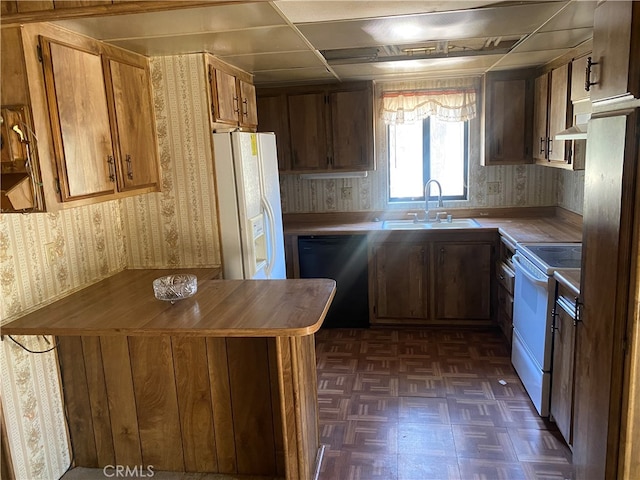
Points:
(117, 8)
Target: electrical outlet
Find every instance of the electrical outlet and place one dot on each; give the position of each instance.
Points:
(493, 188)
(346, 193)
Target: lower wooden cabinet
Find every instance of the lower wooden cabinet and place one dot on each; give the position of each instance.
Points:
(430, 282)
(563, 366)
(399, 278)
(462, 281)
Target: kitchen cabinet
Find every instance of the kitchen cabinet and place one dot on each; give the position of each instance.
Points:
(578, 77)
(419, 279)
(553, 113)
(79, 117)
(91, 125)
(233, 96)
(505, 276)
(507, 120)
(462, 281)
(329, 127)
(616, 42)
(273, 116)
(562, 371)
(398, 278)
(133, 124)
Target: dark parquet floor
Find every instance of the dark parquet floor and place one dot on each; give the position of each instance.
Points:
(427, 404)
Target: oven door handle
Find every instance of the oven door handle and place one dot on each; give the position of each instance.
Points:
(519, 266)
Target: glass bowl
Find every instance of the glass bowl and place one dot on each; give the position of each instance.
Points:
(175, 287)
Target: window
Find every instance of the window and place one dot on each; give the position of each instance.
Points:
(428, 149)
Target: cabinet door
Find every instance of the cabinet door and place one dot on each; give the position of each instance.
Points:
(400, 281)
(462, 281)
(352, 130)
(308, 128)
(561, 408)
(616, 39)
(507, 122)
(578, 77)
(560, 112)
(273, 116)
(248, 109)
(79, 114)
(226, 104)
(134, 125)
(540, 104)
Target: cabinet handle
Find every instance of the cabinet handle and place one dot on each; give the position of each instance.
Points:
(550, 143)
(245, 108)
(127, 159)
(237, 102)
(112, 168)
(587, 74)
(541, 144)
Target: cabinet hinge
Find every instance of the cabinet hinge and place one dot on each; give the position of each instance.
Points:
(57, 185)
(39, 53)
(569, 155)
(210, 77)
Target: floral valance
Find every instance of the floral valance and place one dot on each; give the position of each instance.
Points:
(449, 104)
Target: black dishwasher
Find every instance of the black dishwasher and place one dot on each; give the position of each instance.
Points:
(342, 258)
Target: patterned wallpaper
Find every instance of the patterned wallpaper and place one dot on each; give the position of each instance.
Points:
(520, 185)
(87, 245)
(177, 227)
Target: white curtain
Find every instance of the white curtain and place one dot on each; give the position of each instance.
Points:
(448, 100)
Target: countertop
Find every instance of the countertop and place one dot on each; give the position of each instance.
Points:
(124, 304)
(570, 278)
(515, 229)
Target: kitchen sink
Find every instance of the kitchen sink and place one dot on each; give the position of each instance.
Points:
(443, 225)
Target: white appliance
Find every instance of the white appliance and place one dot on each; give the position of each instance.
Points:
(533, 302)
(249, 205)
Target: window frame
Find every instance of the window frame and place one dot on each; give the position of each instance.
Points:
(426, 166)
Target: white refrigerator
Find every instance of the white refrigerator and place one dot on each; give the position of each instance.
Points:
(249, 207)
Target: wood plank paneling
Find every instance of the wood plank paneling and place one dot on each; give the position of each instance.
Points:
(26, 6)
(251, 398)
(275, 406)
(221, 397)
(287, 407)
(119, 384)
(77, 403)
(99, 400)
(194, 403)
(156, 402)
(14, 74)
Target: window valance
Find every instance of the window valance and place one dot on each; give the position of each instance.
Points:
(447, 104)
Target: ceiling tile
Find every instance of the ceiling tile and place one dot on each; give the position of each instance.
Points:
(176, 22)
(239, 42)
(275, 61)
(322, 11)
(487, 22)
(575, 15)
(297, 75)
(554, 40)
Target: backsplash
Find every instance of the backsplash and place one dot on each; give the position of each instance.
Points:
(571, 190)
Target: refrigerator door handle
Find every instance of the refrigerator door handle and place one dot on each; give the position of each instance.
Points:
(272, 237)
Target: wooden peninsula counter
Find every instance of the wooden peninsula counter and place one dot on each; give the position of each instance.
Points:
(224, 381)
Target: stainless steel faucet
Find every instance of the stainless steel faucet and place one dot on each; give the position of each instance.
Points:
(426, 197)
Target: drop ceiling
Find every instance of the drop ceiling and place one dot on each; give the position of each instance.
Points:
(293, 41)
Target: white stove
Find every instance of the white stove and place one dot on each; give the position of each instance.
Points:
(532, 313)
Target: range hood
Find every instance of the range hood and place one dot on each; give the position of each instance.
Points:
(578, 131)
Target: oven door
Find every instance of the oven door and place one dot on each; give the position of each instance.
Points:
(532, 303)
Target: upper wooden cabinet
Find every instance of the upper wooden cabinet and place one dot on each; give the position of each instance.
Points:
(616, 42)
(79, 120)
(233, 96)
(326, 127)
(92, 114)
(507, 120)
(133, 124)
(552, 114)
(102, 121)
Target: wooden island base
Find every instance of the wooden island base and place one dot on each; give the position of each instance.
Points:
(223, 382)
